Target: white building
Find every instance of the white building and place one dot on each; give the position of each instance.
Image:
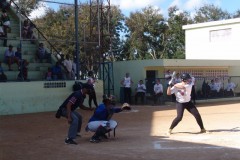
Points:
(218, 40)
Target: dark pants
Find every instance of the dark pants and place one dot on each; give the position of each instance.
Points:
(141, 95)
(156, 97)
(75, 126)
(127, 95)
(92, 97)
(190, 108)
(193, 95)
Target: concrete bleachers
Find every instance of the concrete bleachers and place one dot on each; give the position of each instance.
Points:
(36, 71)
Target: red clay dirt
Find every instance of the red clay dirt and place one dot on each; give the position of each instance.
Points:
(140, 135)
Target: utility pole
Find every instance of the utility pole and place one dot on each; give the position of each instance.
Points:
(77, 51)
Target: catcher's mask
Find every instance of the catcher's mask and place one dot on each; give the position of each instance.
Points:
(110, 99)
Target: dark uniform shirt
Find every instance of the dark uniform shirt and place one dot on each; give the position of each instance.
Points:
(76, 98)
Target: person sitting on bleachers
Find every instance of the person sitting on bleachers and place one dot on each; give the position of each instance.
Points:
(48, 75)
(6, 26)
(25, 29)
(23, 70)
(57, 72)
(43, 54)
(18, 54)
(10, 58)
(5, 5)
(3, 77)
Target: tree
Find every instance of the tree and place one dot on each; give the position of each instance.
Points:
(59, 28)
(209, 12)
(27, 6)
(175, 43)
(147, 30)
(236, 14)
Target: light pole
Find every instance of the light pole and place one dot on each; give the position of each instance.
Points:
(77, 51)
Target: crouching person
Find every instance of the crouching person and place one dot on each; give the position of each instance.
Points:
(101, 122)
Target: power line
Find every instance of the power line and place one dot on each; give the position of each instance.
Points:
(57, 2)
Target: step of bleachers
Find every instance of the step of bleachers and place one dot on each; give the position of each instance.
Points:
(36, 70)
(32, 75)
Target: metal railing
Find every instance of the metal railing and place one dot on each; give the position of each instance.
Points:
(40, 37)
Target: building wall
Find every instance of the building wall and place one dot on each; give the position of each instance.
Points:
(37, 96)
(138, 68)
(218, 40)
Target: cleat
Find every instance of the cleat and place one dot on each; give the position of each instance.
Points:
(79, 135)
(204, 131)
(169, 132)
(70, 141)
(95, 140)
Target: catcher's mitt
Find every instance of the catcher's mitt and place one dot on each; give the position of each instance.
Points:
(126, 106)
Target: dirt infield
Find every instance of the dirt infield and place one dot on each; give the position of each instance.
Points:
(141, 135)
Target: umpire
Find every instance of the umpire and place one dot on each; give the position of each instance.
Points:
(68, 110)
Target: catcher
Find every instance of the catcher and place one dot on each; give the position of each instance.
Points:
(101, 122)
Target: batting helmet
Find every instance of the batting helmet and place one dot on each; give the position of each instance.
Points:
(185, 76)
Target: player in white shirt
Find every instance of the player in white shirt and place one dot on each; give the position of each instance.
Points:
(230, 88)
(182, 92)
(127, 83)
(158, 91)
(140, 92)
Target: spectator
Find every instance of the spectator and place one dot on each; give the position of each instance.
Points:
(205, 89)
(69, 67)
(168, 75)
(10, 57)
(177, 79)
(48, 75)
(158, 91)
(213, 88)
(1, 30)
(30, 32)
(6, 25)
(5, 5)
(25, 29)
(193, 92)
(140, 92)
(23, 70)
(127, 83)
(43, 54)
(57, 72)
(18, 54)
(92, 95)
(230, 88)
(3, 77)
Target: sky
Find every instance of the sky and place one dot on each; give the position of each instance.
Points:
(128, 6)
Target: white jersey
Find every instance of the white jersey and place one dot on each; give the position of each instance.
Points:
(141, 88)
(127, 82)
(230, 86)
(158, 88)
(182, 96)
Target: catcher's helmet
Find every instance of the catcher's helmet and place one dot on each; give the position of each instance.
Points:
(110, 98)
(185, 76)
